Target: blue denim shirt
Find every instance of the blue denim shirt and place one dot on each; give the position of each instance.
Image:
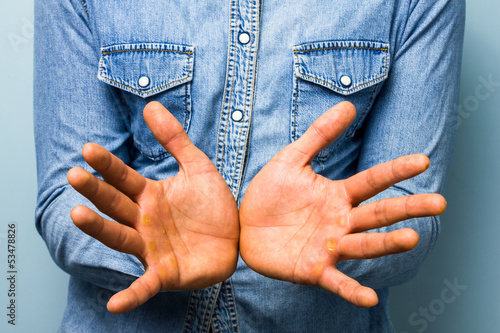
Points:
(245, 78)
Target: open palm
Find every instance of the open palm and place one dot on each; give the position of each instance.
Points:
(297, 225)
(183, 229)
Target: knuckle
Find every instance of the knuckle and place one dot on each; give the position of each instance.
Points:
(320, 132)
(389, 244)
(92, 186)
(123, 175)
(115, 203)
(121, 239)
(365, 246)
(371, 179)
(97, 225)
(380, 213)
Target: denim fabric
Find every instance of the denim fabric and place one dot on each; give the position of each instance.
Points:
(98, 63)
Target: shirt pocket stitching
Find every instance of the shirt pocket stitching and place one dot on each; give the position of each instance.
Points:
(169, 67)
(306, 49)
(149, 93)
(109, 68)
(311, 63)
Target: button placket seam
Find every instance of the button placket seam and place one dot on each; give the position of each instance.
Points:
(212, 302)
(232, 306)
(85, 7)
(295, 99)
(226, 107)
(251, 75)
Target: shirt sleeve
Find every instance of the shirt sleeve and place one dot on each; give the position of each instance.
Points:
(71, 108)
(415, 112)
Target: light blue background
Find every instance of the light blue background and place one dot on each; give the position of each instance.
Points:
(469, 248)
(468, 252)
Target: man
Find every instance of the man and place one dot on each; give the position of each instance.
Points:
(250, 83)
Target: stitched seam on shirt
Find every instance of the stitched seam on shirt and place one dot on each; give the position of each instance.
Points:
(331, 85)
(227, 305)
(295, 106)
(154, 90)
(188, 98)
(208, 320)
(85, 7)
(233, 10)
(233, 79)
(140, 92)
(139, 50)
(252, 96)
(342, 48)
(256, 19)
(190, 311)
(236, 178)
(230, 294)
(365, 111)
(187, 113)
(386, 66)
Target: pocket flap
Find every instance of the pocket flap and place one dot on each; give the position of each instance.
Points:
(342, 66)
(145, 69)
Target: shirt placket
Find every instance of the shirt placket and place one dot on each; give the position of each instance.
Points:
(234, 128)
(239, 92)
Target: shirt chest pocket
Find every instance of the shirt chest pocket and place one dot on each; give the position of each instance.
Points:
(145, 72)
(327, 73)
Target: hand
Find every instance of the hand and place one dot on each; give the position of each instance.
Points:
(297, 225)
(183, 229)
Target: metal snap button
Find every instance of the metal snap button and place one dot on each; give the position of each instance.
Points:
(237, 115)
(346, 81)
(244, 38)
(144, 81)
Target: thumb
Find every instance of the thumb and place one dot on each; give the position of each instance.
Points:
(171, 135)
(323, 131)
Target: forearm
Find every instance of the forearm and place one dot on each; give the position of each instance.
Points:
(415, 112)
(71, 107)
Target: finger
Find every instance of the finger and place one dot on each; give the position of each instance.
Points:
(105, 197)
(389, 211)
(114, 235)
(113, 170)
(374, 245)
(368, 183)
(349, 289)
(323, 131)
(171, 135)
(137, 294)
